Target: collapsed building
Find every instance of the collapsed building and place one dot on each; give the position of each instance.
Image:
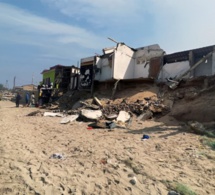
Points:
(57, 79)
(124, 65)
(121, 63)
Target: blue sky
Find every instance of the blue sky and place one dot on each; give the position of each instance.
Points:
(37, 34)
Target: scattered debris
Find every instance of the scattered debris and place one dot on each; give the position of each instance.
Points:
(91, 114)
(197, 127)
(123, 116)
(89, 128)
(173, 193)
(145, 116)
(53, 107)
(56, 156)
(76, 105)
(103, 124)
(52, 114)
(133, 181)
(111, 125)
(69, 118)
(145, 137)
(91, 106)
(103, 161)
(97, 102)
(35, 113)
(111, 116)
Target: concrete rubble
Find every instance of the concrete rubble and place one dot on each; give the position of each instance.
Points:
(69, 118)
(91, 114)
(53, 114)
(123, 116)
(108, 114)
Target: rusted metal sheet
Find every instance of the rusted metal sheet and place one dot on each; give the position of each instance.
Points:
(155, 66)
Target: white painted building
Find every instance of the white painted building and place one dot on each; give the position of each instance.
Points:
(123, 62)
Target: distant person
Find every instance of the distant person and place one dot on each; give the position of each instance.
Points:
(40, 99)
(18, 98)
(32, 99)
(27, 99)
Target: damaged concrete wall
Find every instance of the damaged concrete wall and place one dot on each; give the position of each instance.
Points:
(143, 56)
(123, 62)
(213, 63)
(204, 69)
(104, 69)
(173, 70)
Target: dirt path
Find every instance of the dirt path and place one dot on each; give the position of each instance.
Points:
(98, 161)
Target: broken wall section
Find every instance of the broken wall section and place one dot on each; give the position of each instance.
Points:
(177, 64)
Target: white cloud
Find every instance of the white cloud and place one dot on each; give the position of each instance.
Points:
(174, 24)
(30, 43)
(181, 25)
(23, 27)
(102, 13)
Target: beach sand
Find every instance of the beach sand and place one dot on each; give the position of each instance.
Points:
(98, 161)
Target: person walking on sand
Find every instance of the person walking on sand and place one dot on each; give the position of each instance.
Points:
(18, 98)
(32, 99)
(27, 99)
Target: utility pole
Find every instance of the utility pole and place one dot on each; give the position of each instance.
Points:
(14, 82)
(33, 81)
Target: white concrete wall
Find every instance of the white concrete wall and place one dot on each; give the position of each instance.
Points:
(106, 72)
(142, 56)
(126, 63)
(173, 70)
(123, 63)
(141, 70)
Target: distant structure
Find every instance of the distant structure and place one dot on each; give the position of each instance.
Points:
(6, 85)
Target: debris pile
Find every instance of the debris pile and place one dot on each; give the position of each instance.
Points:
(106, 113)
(148, 105)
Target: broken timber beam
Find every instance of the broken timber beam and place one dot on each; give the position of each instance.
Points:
(175, 84)
(114, 89)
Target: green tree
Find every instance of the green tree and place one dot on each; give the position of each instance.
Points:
(1, 86)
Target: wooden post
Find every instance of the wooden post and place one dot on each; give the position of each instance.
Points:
(191, 61)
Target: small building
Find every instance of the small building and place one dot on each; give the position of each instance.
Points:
(59, 76)
(29, 87)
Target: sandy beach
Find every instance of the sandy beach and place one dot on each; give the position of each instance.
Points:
(98, 161)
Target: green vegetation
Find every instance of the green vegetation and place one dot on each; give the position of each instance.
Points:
(209, 142)
(1, 87)
(183, 190)
(210, 134)
(178, 187)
